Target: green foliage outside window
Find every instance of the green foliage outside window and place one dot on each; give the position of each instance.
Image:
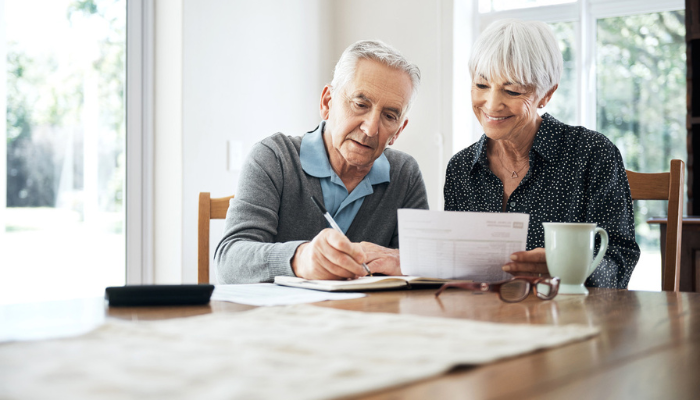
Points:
(563, 103)
(45, 105)
(641, 97)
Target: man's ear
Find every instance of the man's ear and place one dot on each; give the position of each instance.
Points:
(325, 106)
(393, 139)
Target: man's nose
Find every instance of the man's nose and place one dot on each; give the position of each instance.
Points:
(370, 123)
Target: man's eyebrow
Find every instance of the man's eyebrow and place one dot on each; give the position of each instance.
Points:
(363, 97)
(394, 110)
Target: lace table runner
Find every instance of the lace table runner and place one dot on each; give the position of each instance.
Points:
(292, 352)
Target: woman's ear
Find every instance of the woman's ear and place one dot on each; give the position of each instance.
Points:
(547, 97)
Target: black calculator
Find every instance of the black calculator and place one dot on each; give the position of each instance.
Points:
(158, 295)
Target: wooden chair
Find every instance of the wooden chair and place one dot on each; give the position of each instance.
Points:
(665, 186)
(208, 209)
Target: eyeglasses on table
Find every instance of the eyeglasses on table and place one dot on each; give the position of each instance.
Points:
(512, 290)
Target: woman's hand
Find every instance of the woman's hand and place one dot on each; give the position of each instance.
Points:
(528, 263)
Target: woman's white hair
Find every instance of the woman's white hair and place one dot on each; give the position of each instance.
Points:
(373, 50)
(524, 52)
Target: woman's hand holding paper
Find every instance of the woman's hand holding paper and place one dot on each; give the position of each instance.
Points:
(528, 263)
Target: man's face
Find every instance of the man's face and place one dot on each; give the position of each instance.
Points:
(365, 115)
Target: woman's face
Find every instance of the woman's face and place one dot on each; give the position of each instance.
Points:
(506, 110)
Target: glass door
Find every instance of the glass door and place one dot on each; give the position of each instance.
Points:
(64, 215)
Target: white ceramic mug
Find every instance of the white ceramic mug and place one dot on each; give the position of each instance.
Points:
(569, 249)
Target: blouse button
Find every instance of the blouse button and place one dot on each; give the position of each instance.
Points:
(512, 204)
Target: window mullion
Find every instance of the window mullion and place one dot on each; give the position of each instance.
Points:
(3, 122)
(587, 65)
(618, 8)
(139, 143)
(555, 13)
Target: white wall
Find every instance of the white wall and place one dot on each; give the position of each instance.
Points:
(422, 31)
(167, 148)
(253, 68)
(250, 69)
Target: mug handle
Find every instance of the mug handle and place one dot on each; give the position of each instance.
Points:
(601, 251)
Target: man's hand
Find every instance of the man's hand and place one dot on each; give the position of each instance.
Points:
(330, 255)
(528, 263)
(381, 259)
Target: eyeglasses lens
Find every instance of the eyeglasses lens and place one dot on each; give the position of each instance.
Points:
(544, 290)
(515, 290)
(547, 291)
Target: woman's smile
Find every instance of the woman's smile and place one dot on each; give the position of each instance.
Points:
(495, 118)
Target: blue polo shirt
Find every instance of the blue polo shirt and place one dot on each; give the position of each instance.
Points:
(343, 206)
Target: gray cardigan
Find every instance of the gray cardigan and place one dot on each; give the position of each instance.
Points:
(272, 213)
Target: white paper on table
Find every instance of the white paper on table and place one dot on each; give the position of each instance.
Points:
(269, 294)
(460, 245)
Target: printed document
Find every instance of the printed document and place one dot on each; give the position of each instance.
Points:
(460, 245)
(269, 294)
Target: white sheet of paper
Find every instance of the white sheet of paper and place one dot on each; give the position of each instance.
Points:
(459, 245)
(269, 294)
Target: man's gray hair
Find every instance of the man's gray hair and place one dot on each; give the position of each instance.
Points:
(373, 50)
(524, 52)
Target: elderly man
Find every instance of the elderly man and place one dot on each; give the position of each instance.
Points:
(272, 225)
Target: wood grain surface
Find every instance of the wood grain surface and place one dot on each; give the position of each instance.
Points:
(649, 345)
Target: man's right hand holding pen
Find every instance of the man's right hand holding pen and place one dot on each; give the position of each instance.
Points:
(330, 255)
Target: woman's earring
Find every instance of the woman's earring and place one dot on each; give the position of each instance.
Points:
(540, 106)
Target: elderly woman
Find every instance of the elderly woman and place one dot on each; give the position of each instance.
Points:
(534, 164)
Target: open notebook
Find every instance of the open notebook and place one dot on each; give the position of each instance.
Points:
(363, 283)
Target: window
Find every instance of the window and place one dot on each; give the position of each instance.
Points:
(624, 76)
(64, 217)
(561, 105)
(502, 5)
(640, 97)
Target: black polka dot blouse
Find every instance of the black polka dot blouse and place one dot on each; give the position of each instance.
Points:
(575, 175)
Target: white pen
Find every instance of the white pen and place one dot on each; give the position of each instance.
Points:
(335, 226)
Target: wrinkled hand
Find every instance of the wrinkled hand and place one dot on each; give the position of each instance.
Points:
(330, 255)
(382, 260)
(528, 263)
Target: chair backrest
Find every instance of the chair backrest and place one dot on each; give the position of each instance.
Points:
(665, 186)
(208, 209)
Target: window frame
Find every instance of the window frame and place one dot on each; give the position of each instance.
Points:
(3, 122)
(139, 208)
(584, 14)
(139, 142)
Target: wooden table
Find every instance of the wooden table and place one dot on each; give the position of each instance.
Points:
(690, 251)
(649, 346)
